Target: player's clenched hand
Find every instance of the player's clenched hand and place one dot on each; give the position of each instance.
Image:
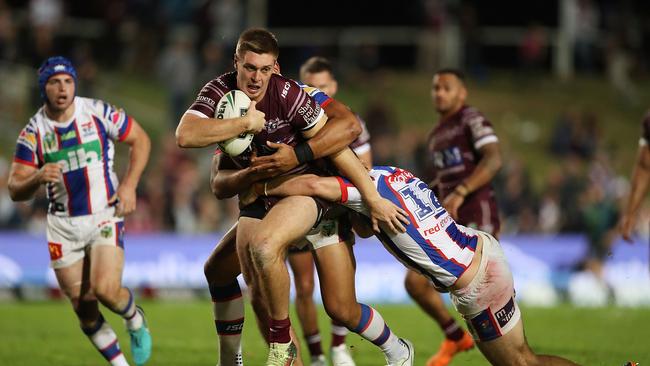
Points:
(50, 173)
(254, 119)
(281, 161)
(452, 203)
(383, 210)
(625, 226)
(124, 200)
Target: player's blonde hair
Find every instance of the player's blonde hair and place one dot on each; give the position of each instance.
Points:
(258, 40)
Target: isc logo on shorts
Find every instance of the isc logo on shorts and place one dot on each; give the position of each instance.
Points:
(55, 250)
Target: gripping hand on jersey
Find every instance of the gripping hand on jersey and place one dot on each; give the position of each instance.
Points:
(281, 161)
(385, 211)
(452, 203)
(124, 200)
(50, 173)
(254, 119)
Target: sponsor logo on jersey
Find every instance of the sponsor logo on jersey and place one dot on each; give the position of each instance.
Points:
(50, 142)
(87, 129)
(56, 252)
(307, 111)
(76, 157)
(27, 137)
(400, 175)
(448, 157)
(69, 135)
(106, 232)
(505, 313)
(204, 99)
(285, 90)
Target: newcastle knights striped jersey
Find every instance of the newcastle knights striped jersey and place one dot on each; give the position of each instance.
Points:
(433, 244)
(84, 147)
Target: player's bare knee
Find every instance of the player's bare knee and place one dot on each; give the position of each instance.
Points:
(265, 251)
(414, 287)
(339, 312)
(107, 292)
(304, 288)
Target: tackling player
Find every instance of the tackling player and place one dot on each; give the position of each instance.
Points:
(67, 146)
(468, 263)
(465, 155)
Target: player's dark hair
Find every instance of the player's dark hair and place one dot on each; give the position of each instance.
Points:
(451, 71)
(257, 40)
(315, 65)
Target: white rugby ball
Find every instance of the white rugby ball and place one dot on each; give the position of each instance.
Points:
(232, 105)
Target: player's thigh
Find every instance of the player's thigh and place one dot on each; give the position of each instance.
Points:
(222, 266)
(335, 266)
(288, 221)
(302, 266)
(71, 278)
(106, 265)
(416, 283)
(510, 349)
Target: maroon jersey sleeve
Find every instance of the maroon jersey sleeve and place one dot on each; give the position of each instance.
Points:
(206, 102)
(304, 111)
(645, 134)
(480, 128)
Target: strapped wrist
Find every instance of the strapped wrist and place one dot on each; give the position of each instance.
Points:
(303, 152)
(461, 190)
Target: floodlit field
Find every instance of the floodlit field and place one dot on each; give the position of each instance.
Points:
(47, 334)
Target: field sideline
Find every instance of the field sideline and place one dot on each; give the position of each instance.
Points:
(45, 333)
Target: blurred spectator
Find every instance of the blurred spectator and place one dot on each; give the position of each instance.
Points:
(46, 18)
(213, 62)
(583, 19)
(177, 69)
(9, 215)
(86, 69)
(8, 46)
(533, 50)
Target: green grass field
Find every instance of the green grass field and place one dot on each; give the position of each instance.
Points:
(47, 334)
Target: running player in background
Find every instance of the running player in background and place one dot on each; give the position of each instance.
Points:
(465, 155)
(468, 263)
(68, 147)
(640, 182)
(317, 72)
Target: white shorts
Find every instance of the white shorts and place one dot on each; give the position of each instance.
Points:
(68, 238)
(328, 232)
(488, 302)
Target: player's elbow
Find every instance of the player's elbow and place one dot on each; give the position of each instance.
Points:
(15, 194)
(354, 128)
(219, 190)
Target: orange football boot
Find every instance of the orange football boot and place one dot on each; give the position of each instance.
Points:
(449, 348)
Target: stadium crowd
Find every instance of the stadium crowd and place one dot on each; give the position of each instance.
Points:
(184, 44)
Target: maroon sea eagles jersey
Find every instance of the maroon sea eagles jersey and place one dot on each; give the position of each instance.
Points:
(454, 146)
(289, 112)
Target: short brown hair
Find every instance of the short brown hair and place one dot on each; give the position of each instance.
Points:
(257, 40)
(315, 65)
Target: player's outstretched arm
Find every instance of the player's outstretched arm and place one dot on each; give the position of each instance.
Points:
(332, 133)
(640, 183)
(24, 180)
(312, 185)
(196, 131)
(381, 209)
(140, 146)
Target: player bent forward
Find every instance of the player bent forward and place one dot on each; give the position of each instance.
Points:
(68, 147)
(468, 263)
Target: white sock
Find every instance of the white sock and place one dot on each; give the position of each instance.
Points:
(373, 328)
(131, 315)
(105, 340)
(228, 309)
